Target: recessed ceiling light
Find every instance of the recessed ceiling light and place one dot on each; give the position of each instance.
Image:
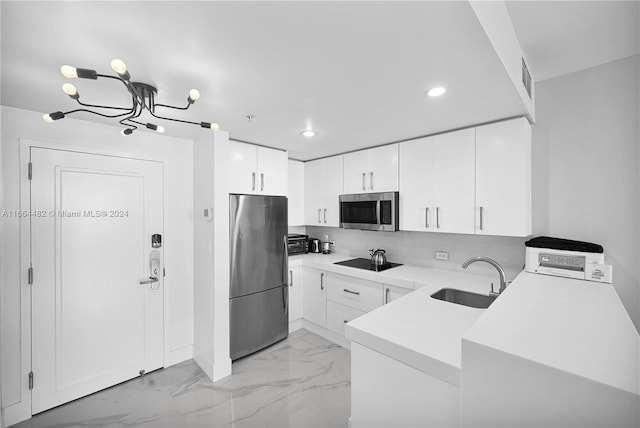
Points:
(436, 92)
(308, 133)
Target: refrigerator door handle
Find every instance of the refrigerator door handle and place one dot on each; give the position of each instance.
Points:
(285, 298)
(285, 258)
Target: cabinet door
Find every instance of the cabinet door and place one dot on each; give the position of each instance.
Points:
(294, 293)
(295, 193)
(503, 178)
(243, 168)
(416, 185)
(391, 293)
(331, 188)
(272, 172)
(338, 315)
(313, 293)
(382, 174)
(313, 193)
(454, 181)
(356, 171)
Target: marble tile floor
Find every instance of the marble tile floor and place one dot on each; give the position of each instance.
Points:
(303, 381)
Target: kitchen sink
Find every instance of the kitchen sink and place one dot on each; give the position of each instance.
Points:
(464, 298)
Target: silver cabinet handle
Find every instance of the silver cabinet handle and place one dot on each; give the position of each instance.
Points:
(363, 178)
(371, 180)
(325, 216)
(357, 293)
(481, 212)
(262, 182)
(345, 321)
(386, 296)
(321, 280)
(253, 181)
(319, 210)
(290, 278)
(426, 217)
(151, 280)
(438, 217)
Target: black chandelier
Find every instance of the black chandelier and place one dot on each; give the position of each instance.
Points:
(142, 98)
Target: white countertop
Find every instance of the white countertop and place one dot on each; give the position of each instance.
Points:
(579, 327)
(417, 330)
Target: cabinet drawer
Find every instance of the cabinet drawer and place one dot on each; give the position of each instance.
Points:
(338, 315)
(357, 293)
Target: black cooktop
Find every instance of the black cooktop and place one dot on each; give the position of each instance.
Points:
(366, 264)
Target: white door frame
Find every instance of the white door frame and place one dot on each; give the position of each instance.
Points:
(21, 411)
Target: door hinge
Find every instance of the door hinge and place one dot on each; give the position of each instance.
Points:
(30, 170)
(30, 380)
(30, 275)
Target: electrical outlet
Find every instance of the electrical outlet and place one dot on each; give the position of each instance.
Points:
(442, 255)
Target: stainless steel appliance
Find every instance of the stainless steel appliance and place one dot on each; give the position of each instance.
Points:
(564, 257)
(370, 211)
(258, 295)
(297, 244)
(377, 257)
(315, 246)
(366, 264)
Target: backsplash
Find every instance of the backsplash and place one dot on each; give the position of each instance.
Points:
(418, 248)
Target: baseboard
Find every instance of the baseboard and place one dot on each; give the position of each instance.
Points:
(295, 325)
(325, 333)
(205, 363)
(179, 355)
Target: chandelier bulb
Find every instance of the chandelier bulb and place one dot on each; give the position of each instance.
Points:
(215, 127)
(118, 66)
(160, 129)
(69, 72)
(47, 118)
(194, 94)
(70, 90)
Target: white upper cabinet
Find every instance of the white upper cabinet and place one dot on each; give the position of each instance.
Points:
(371, 170)
(453, 181)
(437, 191)
(257, 170)
(503, 178)
(323, 185)
(295, 193)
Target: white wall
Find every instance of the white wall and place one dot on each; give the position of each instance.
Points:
(177, 156)
(586, 184)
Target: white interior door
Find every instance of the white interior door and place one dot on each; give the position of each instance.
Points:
(93, 323)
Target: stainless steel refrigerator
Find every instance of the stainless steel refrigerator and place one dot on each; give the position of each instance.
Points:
(258, 297)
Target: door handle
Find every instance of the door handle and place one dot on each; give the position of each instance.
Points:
(357, 293)
(319, 210)
(438, 217)
(321, 284)
(151, 280)
(290, 278)
(371, 180)
(386, 296)
(285, 258)
(325, 216)
(253, 181)
(481, 212)
(262, 182)
(363, 178)
(426, 218)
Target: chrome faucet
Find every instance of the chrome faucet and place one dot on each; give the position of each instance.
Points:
(495, 264)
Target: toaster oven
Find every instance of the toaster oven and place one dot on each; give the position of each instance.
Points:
(297, 244)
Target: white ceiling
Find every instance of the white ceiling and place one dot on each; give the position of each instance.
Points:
(561, 37)
(356, 72)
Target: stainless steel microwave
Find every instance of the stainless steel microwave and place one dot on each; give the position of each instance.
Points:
(370, 211)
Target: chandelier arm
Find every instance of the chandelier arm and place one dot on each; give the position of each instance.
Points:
(96, 113)
(99, 106)
(122, 122)
(175, 120)
(174, 107)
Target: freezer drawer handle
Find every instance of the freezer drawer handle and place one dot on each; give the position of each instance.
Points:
(357, 293)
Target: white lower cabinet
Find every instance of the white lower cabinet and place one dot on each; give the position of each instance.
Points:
(294, 293)
(388, 393)
(355, 292)
(338, 315)
(391, 293)
(313, 295)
